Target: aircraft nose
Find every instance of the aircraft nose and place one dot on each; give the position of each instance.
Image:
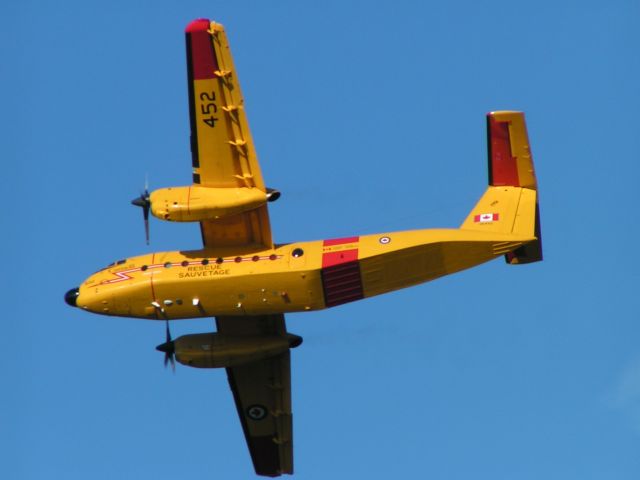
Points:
(71, 297)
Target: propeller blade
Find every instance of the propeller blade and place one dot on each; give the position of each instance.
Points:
(168, 347)
(144, 201)
(146, 225)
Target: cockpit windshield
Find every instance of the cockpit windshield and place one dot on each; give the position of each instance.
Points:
(113, 264)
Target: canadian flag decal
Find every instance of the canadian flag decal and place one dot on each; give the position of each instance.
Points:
(486, 218)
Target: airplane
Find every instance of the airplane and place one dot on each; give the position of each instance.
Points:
(248, 282)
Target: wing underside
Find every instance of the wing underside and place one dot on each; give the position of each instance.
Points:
(262, 394)
(222, 150)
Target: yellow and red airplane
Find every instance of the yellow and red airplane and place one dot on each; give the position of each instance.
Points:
(247, 282)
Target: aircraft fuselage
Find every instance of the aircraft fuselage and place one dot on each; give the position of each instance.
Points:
(288, 278)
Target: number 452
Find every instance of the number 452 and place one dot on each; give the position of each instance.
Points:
(208, 107)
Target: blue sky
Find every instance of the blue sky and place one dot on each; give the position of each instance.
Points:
(368, 116)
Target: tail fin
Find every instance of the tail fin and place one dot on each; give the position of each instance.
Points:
(510, 203)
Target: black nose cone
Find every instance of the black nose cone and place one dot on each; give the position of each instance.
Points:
(71, 297)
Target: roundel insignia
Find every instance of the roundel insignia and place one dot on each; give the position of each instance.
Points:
(384, 240)
(256, 412)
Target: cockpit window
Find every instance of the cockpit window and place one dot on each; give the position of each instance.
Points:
(112, 264)
(119, 262)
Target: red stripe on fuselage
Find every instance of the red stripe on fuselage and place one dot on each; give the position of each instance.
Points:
(336, 256)
(339, 241)
(341, 278)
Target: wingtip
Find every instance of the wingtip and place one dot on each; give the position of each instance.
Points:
(203, 25)
(504, 114)
(198, 25)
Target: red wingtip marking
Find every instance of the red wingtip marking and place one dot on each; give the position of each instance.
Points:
(504, 170)
(198, 25)
(203, 58)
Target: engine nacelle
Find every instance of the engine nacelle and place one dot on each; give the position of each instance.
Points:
(196, 203)
(216, 350)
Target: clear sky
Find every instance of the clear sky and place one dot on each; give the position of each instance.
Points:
(369, 117)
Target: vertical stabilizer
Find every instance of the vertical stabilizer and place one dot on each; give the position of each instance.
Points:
(510, 203)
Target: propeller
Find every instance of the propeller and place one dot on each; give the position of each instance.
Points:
(169, 349)
(144, 202)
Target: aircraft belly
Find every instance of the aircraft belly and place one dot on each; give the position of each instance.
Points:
(248, 294)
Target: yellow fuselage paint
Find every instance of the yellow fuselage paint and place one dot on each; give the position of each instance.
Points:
(288, 278)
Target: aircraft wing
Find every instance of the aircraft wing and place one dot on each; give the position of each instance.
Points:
(222, 150)
(262, 393)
